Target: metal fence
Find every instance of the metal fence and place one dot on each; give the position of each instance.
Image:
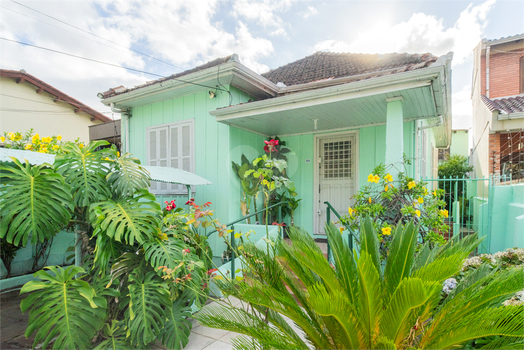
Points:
(468, 203)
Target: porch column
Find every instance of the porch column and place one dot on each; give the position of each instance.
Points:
(394, 135)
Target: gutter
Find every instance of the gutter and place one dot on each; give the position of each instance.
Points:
(510, 116)
(439, 123)
(417, 78)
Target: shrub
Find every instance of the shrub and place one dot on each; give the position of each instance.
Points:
(355, 302)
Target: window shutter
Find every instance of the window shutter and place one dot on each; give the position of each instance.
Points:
(153, 154)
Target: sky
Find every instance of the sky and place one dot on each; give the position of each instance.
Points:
(163, 37)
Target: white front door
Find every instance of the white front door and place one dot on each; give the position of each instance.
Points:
(337, 175)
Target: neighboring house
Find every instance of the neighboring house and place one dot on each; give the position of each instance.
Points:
(498, 107)
(109, 132)
(27, 102)
(459, 145)
(340, 114)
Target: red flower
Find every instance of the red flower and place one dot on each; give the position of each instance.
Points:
(209, 272)
(271, 146)
(186, 251)
(169, 208)
(277, 224)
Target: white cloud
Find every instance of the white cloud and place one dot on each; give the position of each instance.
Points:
(179, 32)
(462, 109)
(264, 12)
(421, 33)
(310, 11)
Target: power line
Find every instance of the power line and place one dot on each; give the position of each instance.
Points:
(51, 104)
(88, 32)
(67, 31)
(110, 64)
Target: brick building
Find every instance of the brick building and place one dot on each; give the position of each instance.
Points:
(498, 108)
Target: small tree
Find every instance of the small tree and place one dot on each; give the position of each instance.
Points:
(454, 167)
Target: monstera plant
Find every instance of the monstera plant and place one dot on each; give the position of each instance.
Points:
(127, 293)
(358, 302)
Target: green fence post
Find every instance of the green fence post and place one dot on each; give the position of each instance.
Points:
(328, 220)
(233, 252)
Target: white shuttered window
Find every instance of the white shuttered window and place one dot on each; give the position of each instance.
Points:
(171, 145)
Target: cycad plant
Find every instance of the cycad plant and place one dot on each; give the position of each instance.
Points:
(122, 293)
(360, 302)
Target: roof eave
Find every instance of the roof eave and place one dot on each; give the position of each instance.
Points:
(253, 83)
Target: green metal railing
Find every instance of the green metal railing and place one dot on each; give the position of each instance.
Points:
(351, 233)
(468, 201)
(232, 241)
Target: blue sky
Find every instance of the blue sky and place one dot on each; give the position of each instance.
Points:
(265, 34)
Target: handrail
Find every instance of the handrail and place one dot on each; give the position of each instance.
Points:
(232, 237)
(328, 220)
(256, 213)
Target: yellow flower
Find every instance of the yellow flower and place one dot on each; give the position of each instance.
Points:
(350, 211)
(46, 139)
(55, 147)
(28, 146)
(237, 235)
(369, 200)
(412, 184)
(81, 145)
(18, 137)
(417, 212)
(386, 188)
(388, 178)
(11, 136)
(118, 154)
(35, 138)
(425, 191)
(2, 139)
(386, 231)
(444, 213)
(420, 200)
(371, 178)
(376, 179)
(59, 137)
(435, 193)
(341, 230)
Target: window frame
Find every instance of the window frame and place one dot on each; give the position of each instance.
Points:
(171, 188)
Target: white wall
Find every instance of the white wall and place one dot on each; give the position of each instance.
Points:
(21, 108)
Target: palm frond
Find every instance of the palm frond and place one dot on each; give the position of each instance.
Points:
(369, 243)
(507, 321)
(370, 297)
(128, 219)
(240, 321)
(35, 201)
(409, 295)
(127, 176)
(472, 278)
(177, 327)
(400, 258)
(506, 343)
(85, 170)
(148, 298)
(345, 264)
(64, 308)
(440, 269)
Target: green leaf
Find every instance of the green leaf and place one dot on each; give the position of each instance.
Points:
(116, 337)
(147, 301)
(85, 170)
(164, 252)
(35, 201)
(177, 328)
(62, 308)
(127, 176)
(369, 242)
(128, 219)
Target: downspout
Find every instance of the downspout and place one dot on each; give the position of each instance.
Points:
(126, 126)
(487, 71)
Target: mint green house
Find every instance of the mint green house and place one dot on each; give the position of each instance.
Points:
(340, 114)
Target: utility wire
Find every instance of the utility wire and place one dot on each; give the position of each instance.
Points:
(68, 31)
(93, 34)
(110, 64)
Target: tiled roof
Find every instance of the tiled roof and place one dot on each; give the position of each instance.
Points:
(328, 65)
(510, 37)
(22, 76)
(121, 89)
(514, 104)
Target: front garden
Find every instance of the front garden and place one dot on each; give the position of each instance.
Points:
(146, 267)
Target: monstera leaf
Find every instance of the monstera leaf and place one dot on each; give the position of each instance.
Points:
(177, 328)
(85, 170)
(35, 200)
(164, 252)
(128, 219)
(115, 335)
(127, 176)
(147, 301)
(63, 308)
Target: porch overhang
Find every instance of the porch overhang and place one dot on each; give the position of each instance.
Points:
(426, 94)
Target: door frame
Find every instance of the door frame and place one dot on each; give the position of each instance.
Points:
(316, 180)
